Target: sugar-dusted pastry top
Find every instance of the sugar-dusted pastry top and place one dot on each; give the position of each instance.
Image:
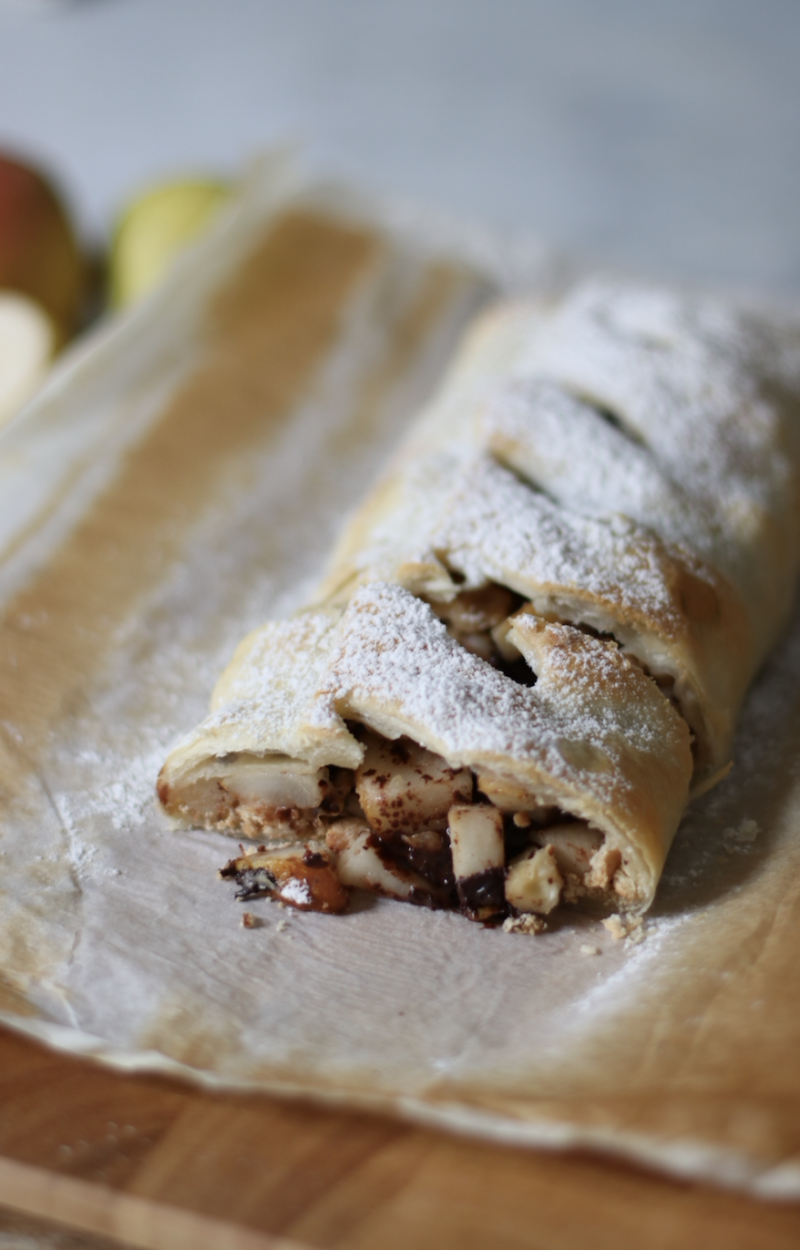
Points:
(539, 627)
(696, 433)
(629, 463)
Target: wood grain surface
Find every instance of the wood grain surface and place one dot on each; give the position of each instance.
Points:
(156, 1164)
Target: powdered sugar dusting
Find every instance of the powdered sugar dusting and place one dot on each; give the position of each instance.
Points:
(498, 528)
(627, 402)
(269, 701)
(397, 668)
(689, 378)
(535, 427)
(389, 662)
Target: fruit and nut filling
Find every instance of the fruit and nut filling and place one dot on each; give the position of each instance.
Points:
(408, 826)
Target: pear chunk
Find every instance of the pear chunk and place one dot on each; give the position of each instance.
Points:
(534, 883)
(510, 795)
(478, 849)
(403, 788)
(574, 845)
(274, 783)
(360, 866)
(476, 839)
(264, 796)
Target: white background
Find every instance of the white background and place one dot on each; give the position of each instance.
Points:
(663, 136)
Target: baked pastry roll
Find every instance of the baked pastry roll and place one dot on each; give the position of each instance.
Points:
(536, 634)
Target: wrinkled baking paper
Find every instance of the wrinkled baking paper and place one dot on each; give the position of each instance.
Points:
(182, 479)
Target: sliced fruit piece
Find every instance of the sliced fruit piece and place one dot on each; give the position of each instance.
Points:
(274, 783)
(477, 611)
(534, 883)
(478, 849)
(403, 788)
(507, 793)
(360, 866)
(27, 346)
(574, 844)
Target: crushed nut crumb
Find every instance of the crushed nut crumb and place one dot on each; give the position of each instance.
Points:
(622, 926)
(615, 927)
(590, 950)
(742, 835)
(249, 921)
(524, 924)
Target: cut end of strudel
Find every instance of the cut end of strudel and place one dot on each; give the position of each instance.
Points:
(535, 635)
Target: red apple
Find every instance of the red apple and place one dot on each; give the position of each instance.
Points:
(39, 253)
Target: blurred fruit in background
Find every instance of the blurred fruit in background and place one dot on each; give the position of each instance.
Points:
(43, 278)
(50, 288)
(39, 253)
(154, 229)
(28, 340)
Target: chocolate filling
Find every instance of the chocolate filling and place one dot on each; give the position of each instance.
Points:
(425, 855)
(483, 893)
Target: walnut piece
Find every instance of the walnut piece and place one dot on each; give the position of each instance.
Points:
(301, 875)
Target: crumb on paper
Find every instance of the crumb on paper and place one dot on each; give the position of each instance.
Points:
(529, 923)
(615, 927)
(281, 926)
(249, 921)
(586, 949)
(742, 835)
(624, 927)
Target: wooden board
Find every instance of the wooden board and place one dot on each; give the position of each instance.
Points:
(163, 1166)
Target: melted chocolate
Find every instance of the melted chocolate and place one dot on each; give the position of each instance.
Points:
(313, 859)
(253, 882)
(431, 861)
(483, 892)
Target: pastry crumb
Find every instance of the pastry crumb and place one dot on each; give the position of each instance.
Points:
(623, 927)
(586, 949)
(528, 923)
(739, 836)
(615, 927)
(249, 921)
(281, 926)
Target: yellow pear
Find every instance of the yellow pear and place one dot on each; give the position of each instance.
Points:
(154, 229)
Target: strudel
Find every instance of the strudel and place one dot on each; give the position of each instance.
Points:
(535, 635)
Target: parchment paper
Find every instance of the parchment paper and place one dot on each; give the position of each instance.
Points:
(153, 508)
